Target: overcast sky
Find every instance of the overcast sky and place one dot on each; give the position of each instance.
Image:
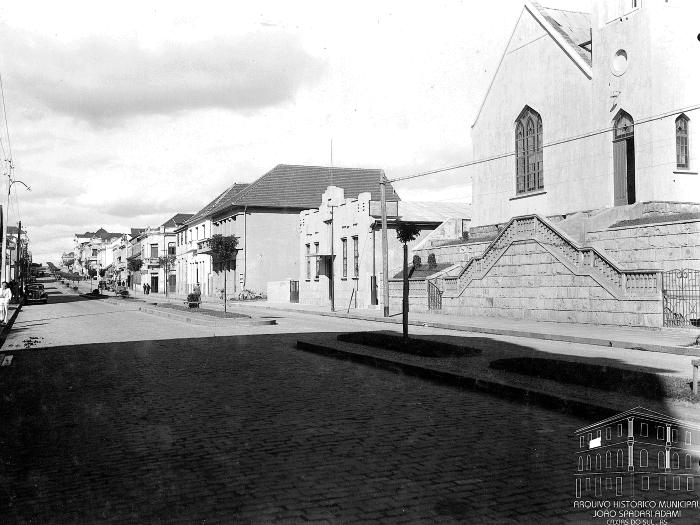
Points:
(121, 116)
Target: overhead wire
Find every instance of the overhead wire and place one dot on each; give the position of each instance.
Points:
(546, 145)
(4, 110)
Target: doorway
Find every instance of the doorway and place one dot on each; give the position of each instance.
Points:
(154, 284)
(623, 159)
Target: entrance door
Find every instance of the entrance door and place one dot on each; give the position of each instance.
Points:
(154, 283)
(623, 159)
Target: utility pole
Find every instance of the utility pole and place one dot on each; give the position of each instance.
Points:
(385, 244)
(332, 265)
(19, 251)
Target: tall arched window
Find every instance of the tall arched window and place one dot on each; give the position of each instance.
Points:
(528, 151)
(682, 150)
(662, 459)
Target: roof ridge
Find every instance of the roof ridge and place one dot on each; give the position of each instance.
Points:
(563, 10)
(326, 167)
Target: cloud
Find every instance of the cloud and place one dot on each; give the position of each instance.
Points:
(102, 80)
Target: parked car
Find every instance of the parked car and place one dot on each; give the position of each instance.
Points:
(36, 294)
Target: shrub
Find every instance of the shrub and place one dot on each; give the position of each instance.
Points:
(465, 235)
(432, 262)
(416, 261)
(193, 300)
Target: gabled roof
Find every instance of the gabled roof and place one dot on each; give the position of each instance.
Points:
(135, 232)
(177, 220)
(567, 29)
(228, 193)
(101, 233)
(301, 187)
(574, 27)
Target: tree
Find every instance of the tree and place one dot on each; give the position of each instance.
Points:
(92, 272)
(224, 249)
(168, 263)
(405, 233)
(133, 266)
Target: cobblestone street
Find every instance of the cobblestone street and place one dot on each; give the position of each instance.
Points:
(247, 429)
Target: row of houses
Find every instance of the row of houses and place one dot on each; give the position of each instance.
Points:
(276, 221)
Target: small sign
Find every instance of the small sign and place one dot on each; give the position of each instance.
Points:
(392, 209)
(594, 443)
(6, 360)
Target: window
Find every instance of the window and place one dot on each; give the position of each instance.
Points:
(94, 252)
(345, 258)
(608, 433)
(619, 430)
(643, 458)
(356, 256)
(171, 248)
(598, 434)
(528, 151)
(645, 482)
(580, 462)
(624, 126)
(661, 458)
(682, 157)
(687, 461)
(644, 430)
(308, 262)
(608, 459)
(154, 251)
(581, 441)
(674, 435)
(318, 262)
(690, 483)
(687, 437)
(675, 461)
(608, 483)
(676, 483)
(659, 432)
(620, 458)
(662, 482)
(597, 462)
(588, 462)
(618, 486)
(588, 483)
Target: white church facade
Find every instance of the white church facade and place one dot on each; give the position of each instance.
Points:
(591, 111)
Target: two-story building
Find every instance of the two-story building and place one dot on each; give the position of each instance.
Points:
(158, 244)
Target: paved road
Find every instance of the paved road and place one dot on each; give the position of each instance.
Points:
(117, 416)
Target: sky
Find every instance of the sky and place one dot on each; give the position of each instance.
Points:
(122, 114)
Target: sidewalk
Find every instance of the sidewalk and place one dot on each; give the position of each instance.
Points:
(669, 340)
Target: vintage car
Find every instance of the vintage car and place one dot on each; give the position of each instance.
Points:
(36, 294)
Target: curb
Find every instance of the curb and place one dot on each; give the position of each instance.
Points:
(11, 321)
(501, 389)
(597, 341)
(202, 321)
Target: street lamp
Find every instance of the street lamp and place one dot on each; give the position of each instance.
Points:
(4, 223)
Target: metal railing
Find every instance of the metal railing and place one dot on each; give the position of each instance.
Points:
(681, 297)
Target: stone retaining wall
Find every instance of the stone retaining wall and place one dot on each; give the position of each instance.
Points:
(453, 253)
(663, 246)
(528, 282)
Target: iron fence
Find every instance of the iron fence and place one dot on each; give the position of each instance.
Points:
(681, 297)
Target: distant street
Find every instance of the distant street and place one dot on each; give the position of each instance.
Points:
(111, 414)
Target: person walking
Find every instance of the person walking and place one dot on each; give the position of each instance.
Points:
(5, 296)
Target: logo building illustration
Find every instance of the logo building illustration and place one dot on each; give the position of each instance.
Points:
(635, 453)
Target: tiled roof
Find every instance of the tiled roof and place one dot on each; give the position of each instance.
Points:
(574, 26)
(101, 233)
(177, 220)
(301, 187)
(228, 193)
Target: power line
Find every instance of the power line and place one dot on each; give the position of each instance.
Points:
(549, 144)
(4, 110)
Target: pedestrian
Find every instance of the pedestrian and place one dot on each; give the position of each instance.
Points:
(144, 288)
(5, 296)
(148, 289)
(197, 291)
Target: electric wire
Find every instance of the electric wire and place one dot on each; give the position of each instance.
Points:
(547, 145)
(4, 110)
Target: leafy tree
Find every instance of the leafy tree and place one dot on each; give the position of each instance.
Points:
(103, 272)
(134, 265)
(405, 233)
(224, 249)
(92, 272)
(417, 263)
(168, 264)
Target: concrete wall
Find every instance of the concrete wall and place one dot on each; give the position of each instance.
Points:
(527, 282)
(453, 253)
(664, 246)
